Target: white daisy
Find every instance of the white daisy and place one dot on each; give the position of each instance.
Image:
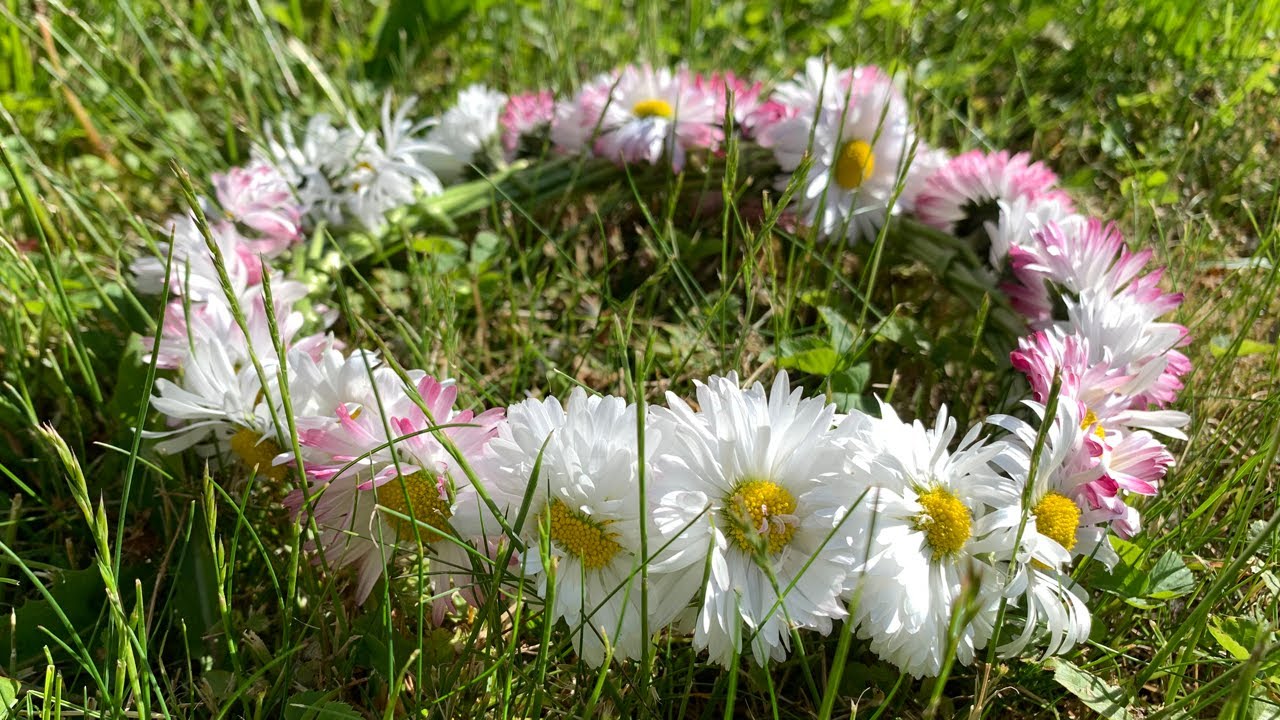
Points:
(859, 148)
(588, 495)
(389, 171)
(311, 166)
(764, 465)
(819, 85)
(922, 538)
(1061, 520)
(466, 130)
(193, 272)
(1122, 331)
(1020, 218)
(219, 402)
(1060, 524)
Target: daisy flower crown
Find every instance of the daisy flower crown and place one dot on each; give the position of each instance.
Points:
(757, 512)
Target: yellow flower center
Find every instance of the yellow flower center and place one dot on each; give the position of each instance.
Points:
(1091, 421)
(944, 520)
(1058, 518)
(854, 164)
(761, 508)
(417, 497)
(257, 453)
(578, 535)
(653, 107)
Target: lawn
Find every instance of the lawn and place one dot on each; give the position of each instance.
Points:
(140, 582)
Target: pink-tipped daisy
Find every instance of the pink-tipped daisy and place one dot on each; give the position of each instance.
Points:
(645, 115)
(525, 115)
(752, 111)
(1083, 279)
(260, 198)
(964, 195)
(1118, 428)
(381, 475)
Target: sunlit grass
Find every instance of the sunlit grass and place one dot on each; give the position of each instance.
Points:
(187, 595)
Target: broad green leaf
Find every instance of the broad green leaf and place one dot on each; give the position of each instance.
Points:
(9, 691)
(80, 596)
(1127, 578)
(843, 334)
(1101, 697)
(1221, 345)
(849, 386)
(1170, 578)
(314, 705)
(815, 361)
(809, 355)
(484, 248)
(1233, 636)
(1263, 708)
(1239, 636)
(904, 331)
(852, 380)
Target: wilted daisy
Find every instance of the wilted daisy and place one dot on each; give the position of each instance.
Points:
(764, 466)
(588, 497)
(923, 538)
(965, 194)
(644, 115)
(860, 149)
(1054, 609)
(466, 131)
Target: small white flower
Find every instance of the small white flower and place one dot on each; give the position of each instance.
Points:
(764, 466)
(819, 85)
(465, 130)
(219, 393)
(923, 538)
(193, 272)
(310, 166)
(588, 494)
(389, 171)
(1020, 218)
(1062, 519)
(860, 147)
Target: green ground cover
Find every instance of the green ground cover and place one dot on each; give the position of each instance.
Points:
(1159, 115)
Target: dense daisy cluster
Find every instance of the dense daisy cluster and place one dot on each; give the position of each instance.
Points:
(740, 516)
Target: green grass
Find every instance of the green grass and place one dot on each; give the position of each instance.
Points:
(151, 585)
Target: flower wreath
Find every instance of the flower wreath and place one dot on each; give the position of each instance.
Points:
(753, 513)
